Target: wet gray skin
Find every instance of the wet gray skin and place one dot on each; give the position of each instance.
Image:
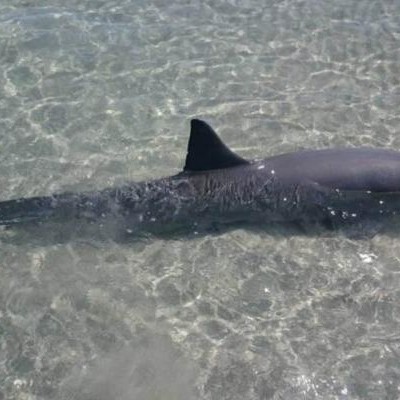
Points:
(219, 187)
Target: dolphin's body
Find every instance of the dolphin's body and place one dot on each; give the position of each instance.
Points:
(217, 186)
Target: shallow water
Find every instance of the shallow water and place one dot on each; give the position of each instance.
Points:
(96, 93)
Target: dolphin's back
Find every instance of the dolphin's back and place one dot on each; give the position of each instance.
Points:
(217, 185)
(375, 170)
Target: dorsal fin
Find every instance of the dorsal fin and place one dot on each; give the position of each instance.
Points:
(206, 150)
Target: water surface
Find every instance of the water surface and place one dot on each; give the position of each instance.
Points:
(95, 93)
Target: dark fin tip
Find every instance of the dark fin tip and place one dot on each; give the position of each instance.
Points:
(206, 151)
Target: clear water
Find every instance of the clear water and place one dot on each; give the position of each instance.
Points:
(94, 93)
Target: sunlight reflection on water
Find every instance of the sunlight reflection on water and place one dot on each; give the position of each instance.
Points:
(97, 93)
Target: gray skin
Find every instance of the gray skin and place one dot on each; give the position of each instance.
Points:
(337, 186)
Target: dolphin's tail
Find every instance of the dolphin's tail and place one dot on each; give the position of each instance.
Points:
(25, 210)
(56, 207)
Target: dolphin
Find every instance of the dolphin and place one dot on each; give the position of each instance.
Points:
(217, 187)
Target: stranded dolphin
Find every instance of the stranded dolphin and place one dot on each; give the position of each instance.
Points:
(217, 186)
